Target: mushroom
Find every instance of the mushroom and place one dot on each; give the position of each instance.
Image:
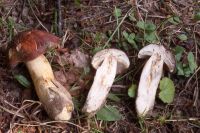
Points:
(29, 47)
(108, 63)
(151, 75)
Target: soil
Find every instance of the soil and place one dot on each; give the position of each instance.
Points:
(87, 25)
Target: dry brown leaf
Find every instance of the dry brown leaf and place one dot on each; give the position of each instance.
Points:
(79, 59)
(60, 76)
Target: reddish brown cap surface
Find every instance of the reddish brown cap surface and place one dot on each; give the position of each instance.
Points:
(28, 45)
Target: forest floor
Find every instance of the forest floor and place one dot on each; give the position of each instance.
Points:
(88, 26)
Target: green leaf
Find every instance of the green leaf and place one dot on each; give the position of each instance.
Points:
(150, 37)
(191, 61)
(22, 80)
(132, 41)
(178, 52)
(117, 12)
(131, 16)
(97, 49)
(132, 90)
(179, 67)
(182, 37)
(109, 113)
(150, 27)
(197, 16)
(187, 71)
(125, 34)
(130, 38)
(141, 25)
(113, 97)
(167, 90)
(174, 20)
(177, 19)
(77, 2)
(139, 38)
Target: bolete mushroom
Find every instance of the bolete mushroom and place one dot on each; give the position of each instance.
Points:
(151, 75)
(29, 47)
(108, 63)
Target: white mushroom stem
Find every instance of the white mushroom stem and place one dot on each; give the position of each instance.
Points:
(101, 86)
(148, 84)
(55, 98)
(108, 63)
(151, 75)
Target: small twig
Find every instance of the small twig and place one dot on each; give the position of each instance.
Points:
(36, 16)
(12, 112)
(119, 86)
(116, 29)
(5, 101)
(187, 84)
(59, 20)
(181, 120)
(178, 120)
(65, 38)
(137, 9)
(10, 10)
(196, 91)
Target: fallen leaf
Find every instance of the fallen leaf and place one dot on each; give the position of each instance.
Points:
(79, 59)
(60, 76)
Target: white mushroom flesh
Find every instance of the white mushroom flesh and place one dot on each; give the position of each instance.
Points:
(101, 86)
(122, 59)
(56, 99)
(151, 75)
(160, 49)
(148, 84)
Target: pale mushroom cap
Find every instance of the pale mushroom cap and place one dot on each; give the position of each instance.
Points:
(122, 59)
(165, 54)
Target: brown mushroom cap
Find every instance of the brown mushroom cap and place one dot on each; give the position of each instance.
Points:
(28, 45)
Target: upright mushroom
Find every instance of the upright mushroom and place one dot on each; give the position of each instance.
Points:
(108, 63)
(29, 47)
(151, 75)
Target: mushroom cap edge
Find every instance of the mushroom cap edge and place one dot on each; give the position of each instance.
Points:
(29, 44)
(165, 54)
(121, 57)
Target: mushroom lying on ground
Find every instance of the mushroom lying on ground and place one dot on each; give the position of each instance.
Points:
(151, 75)
(29, 47)
(108, 63)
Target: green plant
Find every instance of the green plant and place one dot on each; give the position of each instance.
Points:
(197, 16)
(182, 37)
(174, 20)
(113, 97)
(117, 14)
(167, 90)
(132, 90)
(149, 30)
(109, 113)
(130, 38)
(23, 80)
(184, 69)
(10, 25)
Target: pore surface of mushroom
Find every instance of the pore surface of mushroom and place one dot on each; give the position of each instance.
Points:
(29, 47)
(151, 75)
(108, 63)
